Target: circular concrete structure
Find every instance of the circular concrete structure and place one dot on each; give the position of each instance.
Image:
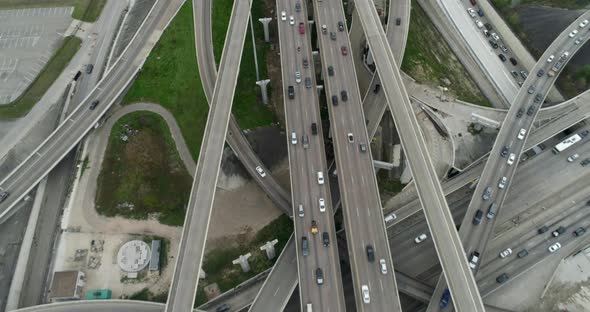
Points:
(133, 256)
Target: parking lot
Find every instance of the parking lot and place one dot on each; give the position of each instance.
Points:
(28, 38)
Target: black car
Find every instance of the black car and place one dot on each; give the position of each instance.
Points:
(584, 133)
(488, 26)
(297, 7)
(330, 70)
(541, 72)
(560, 230)
(398, 21)
(291, 92)
(513, 61)
(340, 26)
(585, 162)
(515, 74)
(502, 57)
(3, 195)
(307, 82)
(314, 128)
(94, 104)
(523, 253)
(326, 239)
(377, 88)
(520, 112)
(343, 95)
(538, 98)
(334, 100)
(504, 151)
(477, 217)
(502, 278)
(89, 68)
(579, 231)
(319, 275)
(363, 147)
(223, 308)
(305, 62)
(493, 44)
(370, 253)
(531, 110)
(543, 229)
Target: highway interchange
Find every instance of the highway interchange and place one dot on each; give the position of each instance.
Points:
(360, 199)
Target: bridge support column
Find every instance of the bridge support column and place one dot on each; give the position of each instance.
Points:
(243, 262)
(265, 21)
(269, 247)
(263, 90)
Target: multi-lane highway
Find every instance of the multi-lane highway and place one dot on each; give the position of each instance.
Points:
(320, 281)
(183, 288)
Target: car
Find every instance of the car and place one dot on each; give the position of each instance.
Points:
(531, 110)
(297, 77)
(350, 138)
(523, 253)
(578, 41)
(293, 138)
(573, 33)
(3, 195)
(363, 147)
(584, 133)
(319, 276)
(550, 58)
(365, 292)
(523, 74)
(521, 134)
(585, 162)
(283, 16)
(377, 88)
(486, 32)
(502, 278)
(301, 28)
(305, 141)
(324, 29)
(560, 230)
(473, 2)
(502, 57)
(398, 21)
(488, 26)
(579, 231)
(538, 98)
(541, 72)
(307, 82)
(573, 157)
(370, 253)
(444, 299)
(477, 217)
(471, 12)
(390, 217)
(89, 68)
(520, 112)
(487, 193)
(543, 229)
(478, 23)
(326, 239)
(493, 44)
(314, 227)
(503, 48)
(301, 212)
(344, 50)
(291, 20)
(383, 266)
(474, 259)
(583, 23)
(291, 92)
(320, 178)
(565, 54)
(343, 96)
(502, 183)
(511, 159)
(504, 151)
(515, 74)
(330, 70)
(554, 247)
(305, 245)
(492, 211)
(340, 26)
(480, 12)
(531, 89)
(334, 100)
(420, 238)
(495, 36)
(223, 308)
(93, 104)
(322, 203)
(305, 62)
(260, 171)
(314, 128)
(513, 61)
(505, 253)
(332, 35)
(297, 7)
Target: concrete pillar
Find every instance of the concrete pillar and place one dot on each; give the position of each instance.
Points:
(243, 262)
(269, 247)
(263, 89)
(265, 21)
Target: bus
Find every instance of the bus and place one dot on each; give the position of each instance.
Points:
(565, 144)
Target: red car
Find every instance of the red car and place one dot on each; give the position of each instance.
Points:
(301, 28)
(473, 2)
(344, 50)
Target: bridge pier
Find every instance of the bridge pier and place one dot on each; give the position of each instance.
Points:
(243, 262)
(263, 89)
(265, 21)
(269, 247)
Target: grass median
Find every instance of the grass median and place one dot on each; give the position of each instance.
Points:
(54, 67)
(85, 10)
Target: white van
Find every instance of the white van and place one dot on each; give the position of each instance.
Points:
(320, 177)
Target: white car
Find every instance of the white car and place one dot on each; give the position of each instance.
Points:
(471, 12)
(495, 36)
(578, 41)
(573, 33)
(474, 259)
(322, 205)
(293, 138)
(506, 253)
(573, 157)
(502, 183)
(511, 159)
(583, 23)
(350, 138)
(420, 238)
(521, 134)
(320, 178)
(383, 266)
(554, 247)
(550, 59)
(365, 291)
(291, 20)
(283, 16)
(297, 77)
(478, 23)
(260, 171)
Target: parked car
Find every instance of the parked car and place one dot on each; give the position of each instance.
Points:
(502, 57)
(471, 12)
(513, 61)
(493, 44)
(420, 238)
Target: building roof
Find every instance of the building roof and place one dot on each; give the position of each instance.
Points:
(64, 284)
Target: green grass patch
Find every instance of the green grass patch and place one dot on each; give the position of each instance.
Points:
(54, 67)
(218, 262)
(564, 4)
(85, 10)
(247, 107)
(170, 77)
(429, 60)
(84, 165)
(387, 185)
(146, 295)
(144, 175)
